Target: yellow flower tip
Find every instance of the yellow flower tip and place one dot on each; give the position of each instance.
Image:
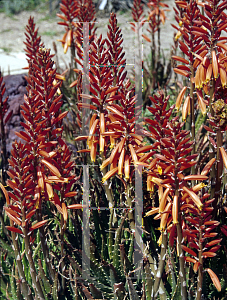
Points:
(103, 179)
(178, 35)
(180, 23)
(201, 207)
(159, 170)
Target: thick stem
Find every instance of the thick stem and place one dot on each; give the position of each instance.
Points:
(211, 149)
(192, 98)
(161, 265)
(159, 31)
(35, 278)
(3, 152)
(180, 236)
(45, 249)
(200, 270)
(218, 171)
(153, 61)
(181, 259)
(25, 288)
(62, 230)
(142, 246)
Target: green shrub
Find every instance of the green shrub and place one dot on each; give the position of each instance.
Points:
(16, 6)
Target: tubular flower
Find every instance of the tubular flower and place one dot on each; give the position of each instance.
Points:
(180, 98)
(109, 174)
(194, 197)
(175, 210)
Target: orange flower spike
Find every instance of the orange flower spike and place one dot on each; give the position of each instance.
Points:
(224, 156)
(185, 109)
(208, 166)
(164, 217)
(121, 162)
(214, 64)
(127, 167)
(175, 209)
(180, 98)
(194, 198)
(163, 200)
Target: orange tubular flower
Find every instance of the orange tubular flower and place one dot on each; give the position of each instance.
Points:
(224, 156)
(180, 98)
(223, 77)
(109, 174)
(194, 197)
(127, 167)
(209, 73)
(214, 278)
(165, 216)
(175, 210)
(214, 64)
(162, 205)
(208, 166)
(202, 105)
(186, 108)
(121, 162)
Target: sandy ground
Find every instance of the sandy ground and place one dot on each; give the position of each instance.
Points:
(12, 56)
